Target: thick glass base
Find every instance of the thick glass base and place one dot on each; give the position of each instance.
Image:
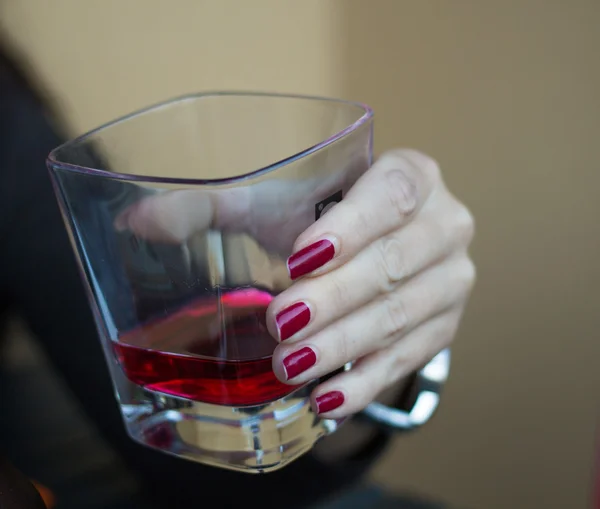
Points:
(254, 439)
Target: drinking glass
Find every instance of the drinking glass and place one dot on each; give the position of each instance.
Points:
(182, 217)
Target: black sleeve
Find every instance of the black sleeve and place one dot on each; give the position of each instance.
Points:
(38, 274)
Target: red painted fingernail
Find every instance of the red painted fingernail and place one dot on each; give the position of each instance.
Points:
(310, 258)
(299, 361)
(329, 401)
(292, 319)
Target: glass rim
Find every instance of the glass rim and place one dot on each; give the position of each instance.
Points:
(54, 163)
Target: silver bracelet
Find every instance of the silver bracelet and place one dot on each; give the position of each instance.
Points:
(426, 388)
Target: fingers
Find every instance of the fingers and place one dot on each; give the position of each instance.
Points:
(169, 217)
(377, 325)
(385, 198)
(174, 216)
(312, 303)
(351, 391)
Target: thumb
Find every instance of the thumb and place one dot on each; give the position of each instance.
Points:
(174, 216)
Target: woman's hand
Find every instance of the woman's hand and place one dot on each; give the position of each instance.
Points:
(382, 279)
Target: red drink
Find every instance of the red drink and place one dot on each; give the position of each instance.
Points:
(217, 351)
(235, 383)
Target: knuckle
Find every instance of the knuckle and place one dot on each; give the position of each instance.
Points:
(354, 219)
(397, 366)
(431, 169)
(464, 225)
(360, 222)
(364, 394)
(443, 337)
(372, 380)
(338, 293)
(338, 348)
(393, 264)
(409, 177)
(447, 337)
(366, 397)
(392, 157)
(420, 161)
(415, 160)
(396, 319)
(360, 399)
(402, 191)
(467, 274)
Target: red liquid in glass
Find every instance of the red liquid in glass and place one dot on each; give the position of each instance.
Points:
(230, 335)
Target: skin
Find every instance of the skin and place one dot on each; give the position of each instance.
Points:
(392, 296)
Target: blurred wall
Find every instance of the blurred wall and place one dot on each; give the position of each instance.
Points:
(104, 58)
(505, 95)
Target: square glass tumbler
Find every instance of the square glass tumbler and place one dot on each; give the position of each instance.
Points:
(182, 217)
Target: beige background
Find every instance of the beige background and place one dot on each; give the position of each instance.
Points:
(505, 94)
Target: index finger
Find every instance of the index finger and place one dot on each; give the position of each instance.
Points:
(384, 199)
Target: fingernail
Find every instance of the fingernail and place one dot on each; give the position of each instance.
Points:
(310, 258)
(329, 401)
(292, 319)
(298, 362)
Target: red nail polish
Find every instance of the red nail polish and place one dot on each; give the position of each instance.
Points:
(292, 319)
(329, 401)
(310, 258)
(299, 361)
